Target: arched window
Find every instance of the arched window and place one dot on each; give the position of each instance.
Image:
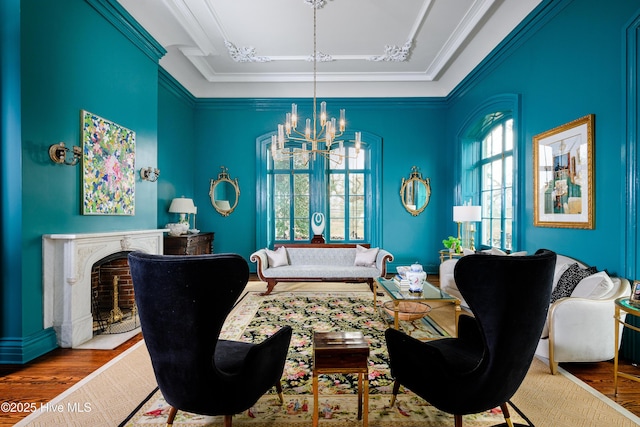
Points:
(292, 188)
(488, 171)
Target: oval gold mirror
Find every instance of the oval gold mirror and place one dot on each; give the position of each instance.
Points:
(224, 192)
(415, 192)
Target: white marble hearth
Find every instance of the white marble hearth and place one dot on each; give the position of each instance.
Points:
(67, 261)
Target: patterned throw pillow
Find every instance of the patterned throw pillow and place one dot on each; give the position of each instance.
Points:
(569, 280)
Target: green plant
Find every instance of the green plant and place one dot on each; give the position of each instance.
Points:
(452, 243)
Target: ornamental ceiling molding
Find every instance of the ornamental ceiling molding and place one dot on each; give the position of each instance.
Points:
(192, 23)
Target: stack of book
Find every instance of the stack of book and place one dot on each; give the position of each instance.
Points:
(402, 282)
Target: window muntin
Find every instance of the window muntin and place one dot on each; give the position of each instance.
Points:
(341, 186)
(495, 169)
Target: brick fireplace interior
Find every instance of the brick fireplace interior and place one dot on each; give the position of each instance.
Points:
(113, 314)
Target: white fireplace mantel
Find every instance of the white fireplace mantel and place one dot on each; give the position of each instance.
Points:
(67, 261)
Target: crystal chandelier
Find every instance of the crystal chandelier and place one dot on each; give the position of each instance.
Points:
(321, 135)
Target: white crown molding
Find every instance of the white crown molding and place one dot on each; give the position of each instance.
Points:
(474, 15)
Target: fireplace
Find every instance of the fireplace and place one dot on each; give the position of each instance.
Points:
(68, 260)
(113, 305)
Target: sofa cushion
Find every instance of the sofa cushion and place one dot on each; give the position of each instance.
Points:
(277, 258)
(593, 287)
(569, 280)
(366, 257)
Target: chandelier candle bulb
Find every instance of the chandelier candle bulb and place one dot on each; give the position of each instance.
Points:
(294, 115)
(307, 130)
(323, 113)
(343, 122)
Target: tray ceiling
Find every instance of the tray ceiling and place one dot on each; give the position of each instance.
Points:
(366, 48)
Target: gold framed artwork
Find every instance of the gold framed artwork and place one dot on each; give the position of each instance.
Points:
(108, 167)
(563, 175)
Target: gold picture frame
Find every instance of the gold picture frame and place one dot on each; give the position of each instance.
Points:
(563, 184)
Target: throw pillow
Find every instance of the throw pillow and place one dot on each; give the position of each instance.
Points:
(593, 287)
(569, 280)
(496, 251)
(277, 258)
(366, 257)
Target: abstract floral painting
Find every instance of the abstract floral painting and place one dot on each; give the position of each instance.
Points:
(108, 163)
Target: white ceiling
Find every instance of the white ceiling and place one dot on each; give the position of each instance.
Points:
(374, 48)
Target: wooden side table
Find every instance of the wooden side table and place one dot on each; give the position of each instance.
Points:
(189, 244)
(342, 353)
(622, 305)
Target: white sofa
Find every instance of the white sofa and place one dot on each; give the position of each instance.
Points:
(331, 262)
(579, 328)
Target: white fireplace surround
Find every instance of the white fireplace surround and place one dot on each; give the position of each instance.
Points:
(67, 260)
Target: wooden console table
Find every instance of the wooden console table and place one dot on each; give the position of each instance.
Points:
(342, 353)
(189, 244)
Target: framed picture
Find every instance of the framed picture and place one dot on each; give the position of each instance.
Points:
(108, 167)
(634, 299)
(563, 175)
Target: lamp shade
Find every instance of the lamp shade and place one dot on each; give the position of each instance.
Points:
(182, 205)
(467, 213)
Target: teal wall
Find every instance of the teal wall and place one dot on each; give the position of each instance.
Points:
(567, 60)
(569, 64)
(74, 56)
(413, 134)
(176, 142)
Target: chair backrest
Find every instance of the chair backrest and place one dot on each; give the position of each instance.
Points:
(509, 297)
(183, 302)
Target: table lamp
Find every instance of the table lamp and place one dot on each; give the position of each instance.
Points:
(183, 206)
(467, 214)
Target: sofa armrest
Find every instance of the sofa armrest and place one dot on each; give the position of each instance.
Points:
(381, 261)
(260, 258)
(582, 329)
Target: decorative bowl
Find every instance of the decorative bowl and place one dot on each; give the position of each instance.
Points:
(176, 228)
(408, 310)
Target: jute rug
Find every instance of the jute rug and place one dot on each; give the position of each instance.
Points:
(113, 392)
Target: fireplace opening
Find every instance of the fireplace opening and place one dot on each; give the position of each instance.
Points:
(113, 304)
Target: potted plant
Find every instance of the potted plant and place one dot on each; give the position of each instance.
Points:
(453, 244)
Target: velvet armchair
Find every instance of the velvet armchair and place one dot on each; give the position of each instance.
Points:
(183, 302)
(485, 364)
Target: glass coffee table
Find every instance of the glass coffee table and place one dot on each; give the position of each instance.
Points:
(430, 293)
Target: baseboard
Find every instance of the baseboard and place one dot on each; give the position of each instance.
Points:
(20, 350)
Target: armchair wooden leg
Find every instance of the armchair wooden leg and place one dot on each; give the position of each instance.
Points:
(172, 415)
(279, 390)
(227, 420)
(458, 420)
(396, 388)
(507, 416)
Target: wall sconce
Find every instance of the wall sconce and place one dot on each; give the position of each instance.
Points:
(58, 154)
(150, 174)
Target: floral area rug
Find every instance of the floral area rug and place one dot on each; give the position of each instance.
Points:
(256, 317)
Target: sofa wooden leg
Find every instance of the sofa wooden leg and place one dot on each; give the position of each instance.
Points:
(270, 285)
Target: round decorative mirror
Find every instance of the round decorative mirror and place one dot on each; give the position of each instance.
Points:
(224, 192)
(415, 192)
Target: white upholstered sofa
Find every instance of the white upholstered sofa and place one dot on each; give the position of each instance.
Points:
(315, 262)
(580, 327)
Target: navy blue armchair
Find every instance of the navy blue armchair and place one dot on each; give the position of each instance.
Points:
(484, 366)
(183, 302)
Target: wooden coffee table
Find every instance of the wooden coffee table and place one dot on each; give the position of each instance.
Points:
(342, 353)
